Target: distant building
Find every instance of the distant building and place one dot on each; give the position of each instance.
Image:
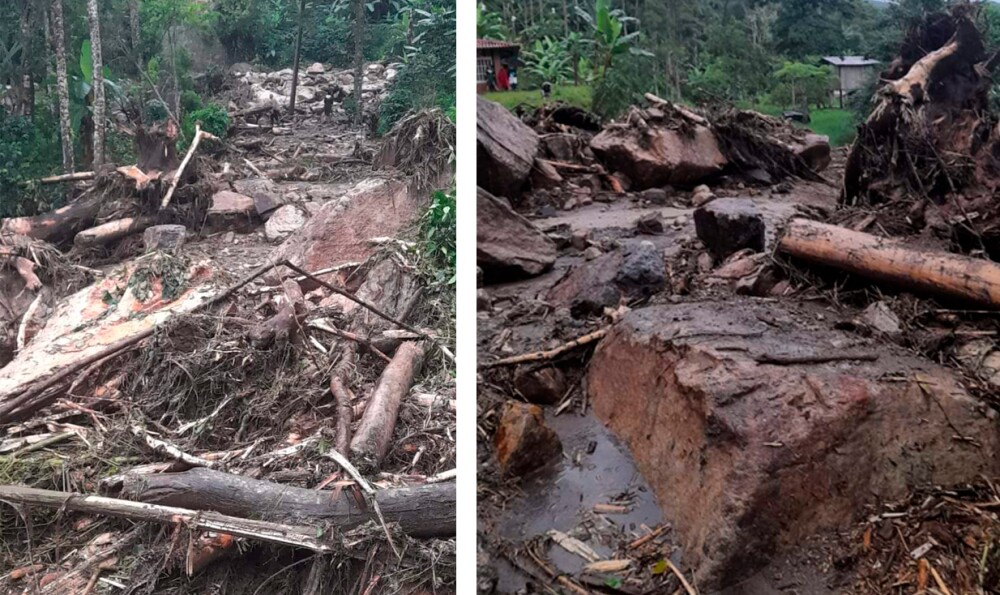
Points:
(490, 54)
(852, 73)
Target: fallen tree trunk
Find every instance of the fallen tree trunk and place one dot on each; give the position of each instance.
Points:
(935, 273)
(73, 177)
(372, 438)
(111, 231)
(297, 536)
(424, 511)
(56, 226)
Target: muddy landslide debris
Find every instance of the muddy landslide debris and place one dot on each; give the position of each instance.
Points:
(506, 242)
(758, 429)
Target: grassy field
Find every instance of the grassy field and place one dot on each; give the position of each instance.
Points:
(838, 124)
(579, 96)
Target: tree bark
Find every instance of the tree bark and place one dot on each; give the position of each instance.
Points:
(56, 226)
(934, 273)
(295, 66)
(359, 60)
(133, 27)
(425, 511)
(207, 521)
(65, 131)
(100, 106)
(374, 434)
(111, 231)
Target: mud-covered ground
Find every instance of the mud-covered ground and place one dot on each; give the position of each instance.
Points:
(518, 552)
(244, 396)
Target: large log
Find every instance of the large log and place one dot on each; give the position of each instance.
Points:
(56, 226)
(111, 231)
(934, 273)
(374, 434)
(197, 519)
(425, 511)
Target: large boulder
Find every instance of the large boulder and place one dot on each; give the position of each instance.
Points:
(659, 156)
(266, 196)
(342, 229)
(231, 210)
(506, 149)
(507, 243)
(635, 271)
(752, 443)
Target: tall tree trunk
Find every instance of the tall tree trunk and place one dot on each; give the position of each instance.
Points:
(566, 22)
(99, 104)
(177, 78)
(295, 66)
(359, 60)
(26, 98)
(63, 86)
(133, 27)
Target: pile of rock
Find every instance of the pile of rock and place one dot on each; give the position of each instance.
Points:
(315, 82)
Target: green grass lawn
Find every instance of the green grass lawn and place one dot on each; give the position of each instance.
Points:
(579, 96)
(838, 124)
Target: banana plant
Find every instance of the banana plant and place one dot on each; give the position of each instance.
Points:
(610, 37)
(549, 60)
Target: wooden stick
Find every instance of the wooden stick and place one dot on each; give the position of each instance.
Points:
(370, 307)
(164, 447)
(73, 177)
(374, 434)
(198, 135)
(345, 412)
(297, 536)
(551, 353)
(934, 273)
(680, 575)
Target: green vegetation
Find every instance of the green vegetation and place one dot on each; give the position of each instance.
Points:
(709, 52)
(154, 69)
(581, 96)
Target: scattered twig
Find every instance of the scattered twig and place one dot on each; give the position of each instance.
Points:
(551, 353)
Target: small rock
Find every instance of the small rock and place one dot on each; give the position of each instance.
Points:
(656, 196)
(592, 252)
(727, 225)
(586, 201)
(592, 301)
(701, 195)
(547, 211)
(229, 238)
(880, 318)
(569, 205)
(316, 68)
(312, 207)
(168, 238)
(579, 239)
(545, 386)
(483, 301)
(523, 442)
(980, 359)
(283, 223)
(642, 272)
(651, 224)
(231, 210)
(390, 74)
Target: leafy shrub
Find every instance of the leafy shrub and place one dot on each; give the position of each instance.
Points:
(213, 118)
(427, 79)
(437, 237)
(191, 101)
(624, 84)
(27, 151)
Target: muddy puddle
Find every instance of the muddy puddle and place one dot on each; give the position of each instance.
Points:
(595, 469)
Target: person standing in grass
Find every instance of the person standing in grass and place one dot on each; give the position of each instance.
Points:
(503, 78)
(513, 78)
